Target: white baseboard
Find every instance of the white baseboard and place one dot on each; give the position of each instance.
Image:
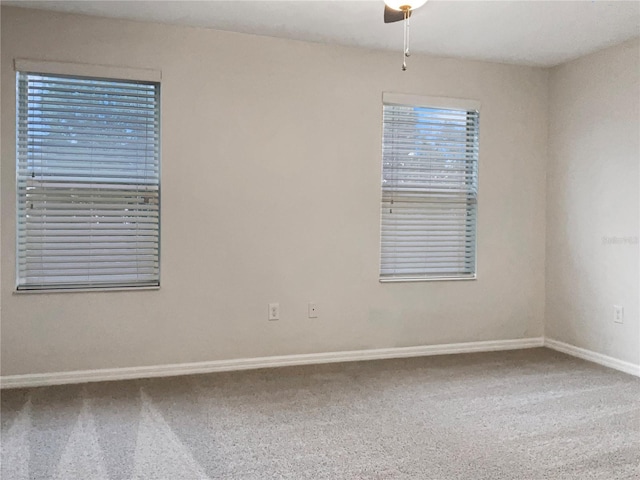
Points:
(83, 376)
(626, 367)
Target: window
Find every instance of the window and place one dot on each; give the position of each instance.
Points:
(88, 182)
(429, 188)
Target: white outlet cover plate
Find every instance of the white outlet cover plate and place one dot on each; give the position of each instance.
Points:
(274, 311)
(618, 314)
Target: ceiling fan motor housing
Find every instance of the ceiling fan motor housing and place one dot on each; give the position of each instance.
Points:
(404, 5)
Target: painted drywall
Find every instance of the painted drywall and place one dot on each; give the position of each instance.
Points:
(593, 203)
(271, 156)
(0, 196)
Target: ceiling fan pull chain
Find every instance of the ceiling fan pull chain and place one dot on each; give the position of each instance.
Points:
(400, 10)
(404, 50)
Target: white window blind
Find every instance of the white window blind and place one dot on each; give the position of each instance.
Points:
(88, 182)
(429, 192)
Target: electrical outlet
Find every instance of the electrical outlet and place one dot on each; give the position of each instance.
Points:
(274, 311)
(618, 314)
(313, 310)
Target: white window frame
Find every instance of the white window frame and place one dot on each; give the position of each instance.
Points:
(98, 72)
(401, 264)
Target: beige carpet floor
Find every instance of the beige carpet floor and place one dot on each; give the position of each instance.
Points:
(529, 414)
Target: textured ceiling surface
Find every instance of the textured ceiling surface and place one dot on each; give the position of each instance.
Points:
(537, 33)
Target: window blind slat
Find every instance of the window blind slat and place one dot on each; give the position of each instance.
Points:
(429, 192)
(88, 179)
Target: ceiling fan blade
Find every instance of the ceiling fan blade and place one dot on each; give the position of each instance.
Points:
(391, 15)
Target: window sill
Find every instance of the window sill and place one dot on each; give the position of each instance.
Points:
(432, 279)
(85, 290)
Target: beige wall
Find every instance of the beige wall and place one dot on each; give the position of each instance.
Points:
(270, 193)
(592, 202)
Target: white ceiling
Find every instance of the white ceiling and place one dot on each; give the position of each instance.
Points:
(539, 33)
